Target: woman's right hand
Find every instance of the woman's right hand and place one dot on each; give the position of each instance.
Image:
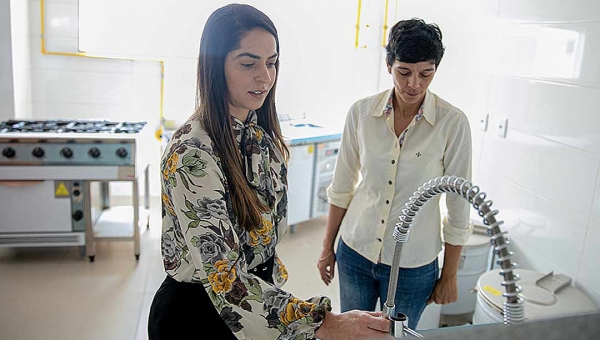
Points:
(354, 325)
(326, 265)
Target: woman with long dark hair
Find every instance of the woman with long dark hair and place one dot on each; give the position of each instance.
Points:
(224, 193)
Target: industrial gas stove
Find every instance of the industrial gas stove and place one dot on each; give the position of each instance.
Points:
(54, 179)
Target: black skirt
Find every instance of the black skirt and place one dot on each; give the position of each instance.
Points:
(183, 310)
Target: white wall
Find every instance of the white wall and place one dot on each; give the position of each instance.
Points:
(21, 58)
(71, 87)
(544, 175)
(535, 63)
(321, 71)
(7, 99)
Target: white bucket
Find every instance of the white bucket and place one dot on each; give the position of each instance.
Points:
(485, 313)
(430, 319)
(473, 262)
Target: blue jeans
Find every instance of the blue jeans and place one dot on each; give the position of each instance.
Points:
(362, 282)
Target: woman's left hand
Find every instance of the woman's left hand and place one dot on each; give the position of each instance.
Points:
(445, 291)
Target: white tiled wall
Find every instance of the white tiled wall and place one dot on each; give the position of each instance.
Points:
(61, 25)
(537, 223)
(558, 112)
(591, 252)
(544, 167)
(544, 177)
(555, 51)
(549, 10)
(595, 216)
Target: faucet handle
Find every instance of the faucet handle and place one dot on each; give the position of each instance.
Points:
(411, 332)
(399, 327)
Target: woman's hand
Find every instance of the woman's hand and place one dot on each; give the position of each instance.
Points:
(354, 325)
(326, 265)
(445, 290)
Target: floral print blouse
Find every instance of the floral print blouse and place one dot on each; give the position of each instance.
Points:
(202, 242)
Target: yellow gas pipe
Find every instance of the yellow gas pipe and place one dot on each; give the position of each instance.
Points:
(158, 132)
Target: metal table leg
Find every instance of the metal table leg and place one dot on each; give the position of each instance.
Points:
(136, 219)
(147, 187)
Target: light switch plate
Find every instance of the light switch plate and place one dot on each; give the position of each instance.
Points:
(483, 123)
(502, 127)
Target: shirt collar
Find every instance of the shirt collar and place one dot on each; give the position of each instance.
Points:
(429, 107)
(385, 106)
(381, 107)
(239, 126)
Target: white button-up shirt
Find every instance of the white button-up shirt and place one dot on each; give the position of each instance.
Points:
(376, 172)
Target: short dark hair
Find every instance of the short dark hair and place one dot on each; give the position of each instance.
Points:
(413, 41)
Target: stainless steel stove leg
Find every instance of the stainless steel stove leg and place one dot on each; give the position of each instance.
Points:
(105, 192)
(90, 242)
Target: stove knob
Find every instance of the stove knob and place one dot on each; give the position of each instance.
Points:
(9, 152)
(78, 215)
(38, 152)
(94, 153)
(121, 152)
(66, 152)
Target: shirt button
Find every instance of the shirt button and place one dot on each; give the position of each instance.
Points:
(387, 201)
(378, 239)
(390, 182)
(393, 161)
(382, 221)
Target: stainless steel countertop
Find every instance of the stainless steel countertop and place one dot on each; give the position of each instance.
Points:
(575, 327)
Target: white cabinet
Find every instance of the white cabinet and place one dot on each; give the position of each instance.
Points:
(325, 163)
(300, 179)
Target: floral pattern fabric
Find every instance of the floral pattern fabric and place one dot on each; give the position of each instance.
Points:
(202, 243)
(387, 110)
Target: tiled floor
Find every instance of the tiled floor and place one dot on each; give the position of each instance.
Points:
(56, 293)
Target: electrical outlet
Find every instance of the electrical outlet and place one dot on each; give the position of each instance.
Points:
(483, 123)
(502, 127)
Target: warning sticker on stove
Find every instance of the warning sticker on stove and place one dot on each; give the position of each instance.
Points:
(61, 190)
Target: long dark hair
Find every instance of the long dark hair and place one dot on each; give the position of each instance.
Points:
(222, 34)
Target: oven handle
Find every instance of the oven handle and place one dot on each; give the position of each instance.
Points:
(19, 184)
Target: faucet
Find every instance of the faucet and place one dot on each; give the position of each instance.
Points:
(513, 310)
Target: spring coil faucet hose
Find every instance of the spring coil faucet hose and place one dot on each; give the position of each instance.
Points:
(513, 310)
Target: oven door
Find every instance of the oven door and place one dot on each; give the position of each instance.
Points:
(35, 207)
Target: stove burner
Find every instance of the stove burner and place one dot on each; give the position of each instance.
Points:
(77, 126)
